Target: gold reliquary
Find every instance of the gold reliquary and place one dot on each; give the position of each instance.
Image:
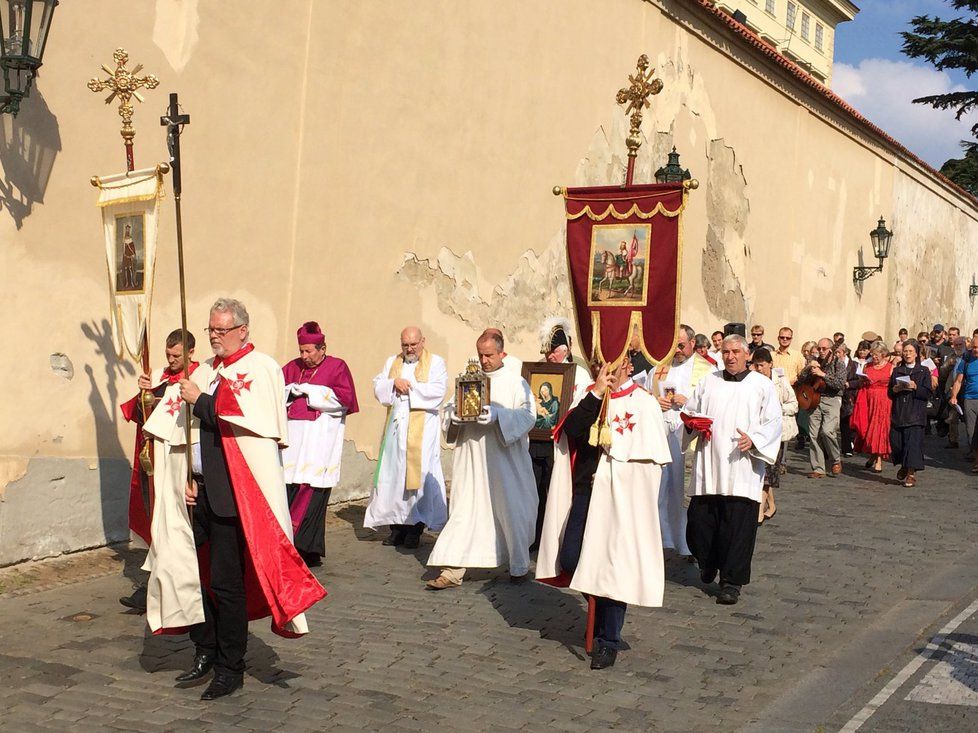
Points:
(471, 392)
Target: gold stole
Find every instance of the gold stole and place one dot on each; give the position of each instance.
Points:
(416, 420)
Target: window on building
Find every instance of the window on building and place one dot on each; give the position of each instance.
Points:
(792, 12)
(769, 7)
(819, 36)
(806, 22)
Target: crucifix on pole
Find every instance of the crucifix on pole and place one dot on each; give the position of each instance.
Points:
(174, 121)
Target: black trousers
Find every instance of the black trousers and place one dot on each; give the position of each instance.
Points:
(845, 434)
(310, 537)
(224, 632)
(542, 457)
(720, 532)
(408, 529)
(907, 447)
(609, 614)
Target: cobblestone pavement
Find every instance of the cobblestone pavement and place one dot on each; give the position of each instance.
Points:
(851, 580)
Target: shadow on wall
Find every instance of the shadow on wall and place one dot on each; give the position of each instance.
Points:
(114, 490)
(29, 144)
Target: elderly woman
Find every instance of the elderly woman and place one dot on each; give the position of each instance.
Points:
(763, 364)
(701, 345)
(870, 421)
(910, 389)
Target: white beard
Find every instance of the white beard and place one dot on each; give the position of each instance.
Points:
(412, 359)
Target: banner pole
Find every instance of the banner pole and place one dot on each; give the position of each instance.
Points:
(173, 121)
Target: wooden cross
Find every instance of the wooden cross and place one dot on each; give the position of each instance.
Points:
(124, 84)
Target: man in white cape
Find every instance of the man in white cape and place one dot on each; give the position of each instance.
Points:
(409, 488)
(172, 596)
(737, 415)
(493, 504)
(673, 390)
(601, 531)
(241, 508)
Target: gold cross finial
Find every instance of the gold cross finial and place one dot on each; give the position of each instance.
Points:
(123, 84)
(636, 96)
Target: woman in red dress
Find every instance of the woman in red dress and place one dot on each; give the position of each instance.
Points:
(870, 422)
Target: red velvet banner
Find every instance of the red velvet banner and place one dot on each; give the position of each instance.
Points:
(623, 256)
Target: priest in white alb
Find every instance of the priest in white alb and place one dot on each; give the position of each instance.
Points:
(737, 415)
(493, 504)
(601, 530)
(409, 488)
(673, 390)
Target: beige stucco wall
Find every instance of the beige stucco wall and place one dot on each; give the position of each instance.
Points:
(372, 164)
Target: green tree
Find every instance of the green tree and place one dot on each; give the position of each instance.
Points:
(951, 44)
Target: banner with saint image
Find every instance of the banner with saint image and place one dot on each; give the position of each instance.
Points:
(130, 204)
(624, 258)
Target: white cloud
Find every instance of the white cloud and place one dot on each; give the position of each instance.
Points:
(883, 91)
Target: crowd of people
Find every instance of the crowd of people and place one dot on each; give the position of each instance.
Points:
(598, 495)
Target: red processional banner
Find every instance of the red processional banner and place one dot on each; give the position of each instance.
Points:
(624, 259)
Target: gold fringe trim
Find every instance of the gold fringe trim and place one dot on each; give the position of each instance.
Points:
(621, 216)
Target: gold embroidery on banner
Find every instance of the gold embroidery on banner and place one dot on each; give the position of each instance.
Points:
(621, 216)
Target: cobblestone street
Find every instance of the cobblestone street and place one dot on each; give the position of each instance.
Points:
(852, 580)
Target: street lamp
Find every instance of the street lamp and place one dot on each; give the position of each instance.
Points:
(24, 26)
(672, 172)
(880, 237)
(972, 290)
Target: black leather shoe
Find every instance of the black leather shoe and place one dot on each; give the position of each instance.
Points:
(394, 539)
(137, 601)
(412, 541)
(728, 595)
(222, 685)
(202, 665)
(603, 657)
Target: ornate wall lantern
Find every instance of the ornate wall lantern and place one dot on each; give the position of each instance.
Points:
(973, 290)
(24, 26)
(672, 172)
(880, 238)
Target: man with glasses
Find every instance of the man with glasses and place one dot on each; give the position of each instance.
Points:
(786, 358)
(757, 340)
(824, 422)
(241, 510)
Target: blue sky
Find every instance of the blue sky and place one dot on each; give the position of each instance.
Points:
(874, 76)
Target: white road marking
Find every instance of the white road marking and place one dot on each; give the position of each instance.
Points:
(931, 650)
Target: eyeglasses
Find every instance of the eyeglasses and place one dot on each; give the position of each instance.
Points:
(784, 338)
(222, 332)
(757, 334)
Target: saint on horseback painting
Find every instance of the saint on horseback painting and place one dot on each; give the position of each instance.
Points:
(619, 264)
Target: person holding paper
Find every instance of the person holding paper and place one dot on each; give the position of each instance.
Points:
(910, 388)
(741, 439)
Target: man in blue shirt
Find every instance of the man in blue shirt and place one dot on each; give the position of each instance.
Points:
(966, 385)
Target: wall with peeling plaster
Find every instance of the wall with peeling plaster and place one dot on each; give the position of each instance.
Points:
(385, 163)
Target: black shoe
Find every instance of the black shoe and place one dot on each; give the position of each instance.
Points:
(728, 595)
(412, 541)
(223, 684)
(203, 663)
(311, 559)
(137, 601)
(394, 539)
(708, 576)
(603, 657)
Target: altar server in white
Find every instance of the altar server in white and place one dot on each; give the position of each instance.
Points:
(687, 369)
(728, 467)
(409, 488)
(601, 531)
(172, 597)
(493, 505)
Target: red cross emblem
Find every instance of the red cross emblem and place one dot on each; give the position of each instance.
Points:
(173, 405)
(623, 423)
(239, 383)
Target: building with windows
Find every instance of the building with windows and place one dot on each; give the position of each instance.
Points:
(801, 30)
